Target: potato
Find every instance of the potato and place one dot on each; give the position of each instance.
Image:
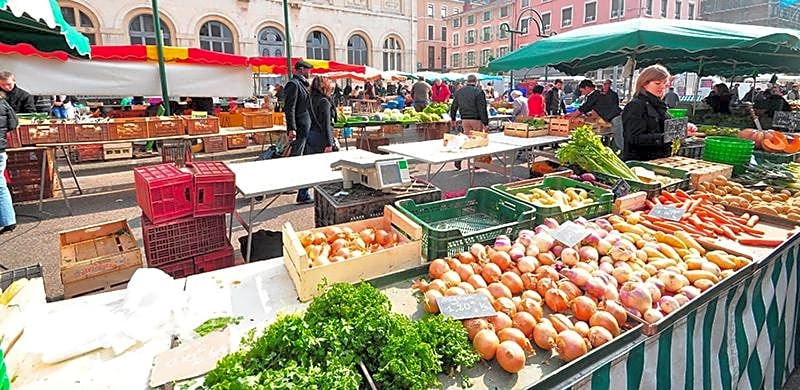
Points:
(793, 216)
(766, 198)
(783, 197)
(769, 189)
(734, 190)
(765, 209)
(786, 192)
(720, 180)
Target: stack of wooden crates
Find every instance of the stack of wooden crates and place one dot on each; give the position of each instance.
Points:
(183, 216)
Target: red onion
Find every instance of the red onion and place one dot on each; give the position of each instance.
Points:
(668, 304)
(502, 243)
(588, 253)
(550, 223)
(568, 255)
(690, 292)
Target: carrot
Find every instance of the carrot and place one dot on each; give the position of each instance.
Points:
(760, 242)
(685, 206)
(727, 232)
(653, 226)
(656, 200)
(695, 205)
(752, 221)
(681, 193)
(649, 204)
(735, 229)
(670, 197)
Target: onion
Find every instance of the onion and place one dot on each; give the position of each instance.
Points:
(560, 322)
(438, 285)
(510, 356)
(569, 256)
(528, 281)
(527, 264)
(543, 285)
(668, 304)
(486, 343)
(468, 288)
(616, 310)
(464, 271)
(532, 250)
(583, 307)
(596, 287)
(598, 336)
(437, 268)
(691, 292)
(547, 271)
(531, 294)
(451, 278)
(502, 243)
(682, 299)
(569, 288)
(478, 251)
(466, 258)
(531, 307)
(477, 268)
(491, 272)
(578, 276)
(368, 235)
(635, 296)
(653, 315)
(499, 290)
(517, 250)
(513, 282)
(452, 262)
(588, 253)
(524, 321)
(544, 335)
(453, 291)
(543, 242)
(429, 302)
(546, 258)
(476, 281)
(505, 305)
(320, 237)
(517, 336)
(582, 328)
(485, 291)
(337, 244)
(606, 320)
(475, 325)
(570, 345)
(500, 321)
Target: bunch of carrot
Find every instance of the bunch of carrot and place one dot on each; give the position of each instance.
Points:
(704, 219)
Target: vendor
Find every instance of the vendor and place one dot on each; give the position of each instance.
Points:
(643, 117)
(719, 99)
(604, 105)
(19, 99)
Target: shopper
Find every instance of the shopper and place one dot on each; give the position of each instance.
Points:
(470, 101)
(19, 99)
(519, 104)
(8, 122)
(536, 105)
(369, 91)
(440, 93)
(643, 117)
(61, 106)
(794, 93)
(323, 114)
(605, 106)
(671, 99)
(554, 100)
(421, 91)
(298, 117)
(719, 99)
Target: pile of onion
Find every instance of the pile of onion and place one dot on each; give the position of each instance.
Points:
(334, 243)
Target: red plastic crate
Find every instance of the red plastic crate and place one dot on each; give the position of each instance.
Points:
(182, 239)
(218, 259)
(42, 133)
(214, 188)
(177, 270)
(163, 192)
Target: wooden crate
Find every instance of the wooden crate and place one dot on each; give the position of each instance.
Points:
(257, 120)
(91, 152)
(558, 126)
(117, 151)
(522, 130)
(215, 144)
(201, 126)
(476, 140)
(42, 133)
(278, 118)
(12, 139)
(406, 254)
(127, 128)
(90, 254)
(165, 126)
(86, 132)
(237, 141)
(392, 129)
(230, 119)
(699, 171)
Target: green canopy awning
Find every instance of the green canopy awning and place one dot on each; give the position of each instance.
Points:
(681, 45)
(40, 24)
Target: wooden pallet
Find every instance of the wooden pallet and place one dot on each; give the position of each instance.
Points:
(699, 171)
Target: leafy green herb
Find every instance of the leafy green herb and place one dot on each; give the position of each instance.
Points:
(215, 324)
(446, 336)
(586, 149)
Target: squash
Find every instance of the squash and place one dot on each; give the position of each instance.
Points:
(794, 146)
(758, 138)
(747, 133)
(775, 142)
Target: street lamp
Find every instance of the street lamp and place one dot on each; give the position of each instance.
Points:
(535, 17)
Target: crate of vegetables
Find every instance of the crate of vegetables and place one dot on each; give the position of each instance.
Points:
(351, 251)
(651, 178)
(561, 198)
(533, 127)
(452, 225)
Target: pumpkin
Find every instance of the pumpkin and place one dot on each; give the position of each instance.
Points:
(747, 133)
(775, 142)
(794, 146)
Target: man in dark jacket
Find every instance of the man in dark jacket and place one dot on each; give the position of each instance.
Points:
(298, 116)
(19, 99)
(470, 101)
(554, 99)
(8, 122)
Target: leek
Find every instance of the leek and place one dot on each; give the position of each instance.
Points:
(586, 149)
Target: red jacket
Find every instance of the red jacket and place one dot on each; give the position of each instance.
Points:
(440, 93)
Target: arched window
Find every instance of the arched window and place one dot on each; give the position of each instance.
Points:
(392, 54)
(270, 42)
(142, 30)
(357, 50)
(317, 46)
(216, 36)
(83, 21)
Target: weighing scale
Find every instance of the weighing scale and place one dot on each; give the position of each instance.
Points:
(381, 172)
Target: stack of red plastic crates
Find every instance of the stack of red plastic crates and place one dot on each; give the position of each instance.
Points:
(183, 216)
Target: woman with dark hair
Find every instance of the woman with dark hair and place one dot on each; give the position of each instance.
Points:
(536, 102)
(323, 114)
(643, 117)
(720, 99)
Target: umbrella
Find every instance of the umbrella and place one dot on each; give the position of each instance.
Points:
(172, 54)
(682, 45)
(40, 24)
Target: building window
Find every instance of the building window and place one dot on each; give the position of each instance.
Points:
(470, 58)
(270, 42)
(470, 20)
(617, 8)
(566, 17)
(142, 31)
(444, 34)
(431, 57)
(525, 3)
(524, 24)
(504, 12)
(216, 36)
(80, 19)
(357, 50)
(691, 11)
(457, 22)
(318, 47)
(456, 39)
(430, 32)
(430, 10)
(501, 32)
(486, 34)
(487, 16)
(470, 38)
(545, 21)
(443, 57)
(444, 12)
(648, 7)
(486, 56)
(677, 9)
(456, 11)
(590, 12)
(392, 54)
(663, 8)
(501, 51)
(455, 62)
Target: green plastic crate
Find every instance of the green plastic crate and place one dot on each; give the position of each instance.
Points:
(4, 382)
(677, 113)
(778, 158)
(453, 225)
(604, 199)
(729, 150)
(652, 189)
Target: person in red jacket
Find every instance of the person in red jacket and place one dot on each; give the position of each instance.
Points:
(440, 93)
(536, 105)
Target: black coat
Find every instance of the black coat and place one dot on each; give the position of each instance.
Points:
(643, 128)
(298, 101)
(470, 101)
(20, 100)
(8, 122)
(322, 118)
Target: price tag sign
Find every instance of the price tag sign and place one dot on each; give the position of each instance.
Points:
(570, 233)
(621, 189)
(461, 307)
(675, 129)
(199, 114)
(667, 212)
(786, 120)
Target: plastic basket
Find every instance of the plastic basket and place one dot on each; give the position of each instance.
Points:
(180, 269)
(178, 152)
(4, 382)
(451, 226)
(214, 187)
(163, 192)
(692, 150)
(182, 239)
(219, 259)
(604, 199)
(677, 113)
(729, 150)
(652, 189)
(779, 158)
(29, 272)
